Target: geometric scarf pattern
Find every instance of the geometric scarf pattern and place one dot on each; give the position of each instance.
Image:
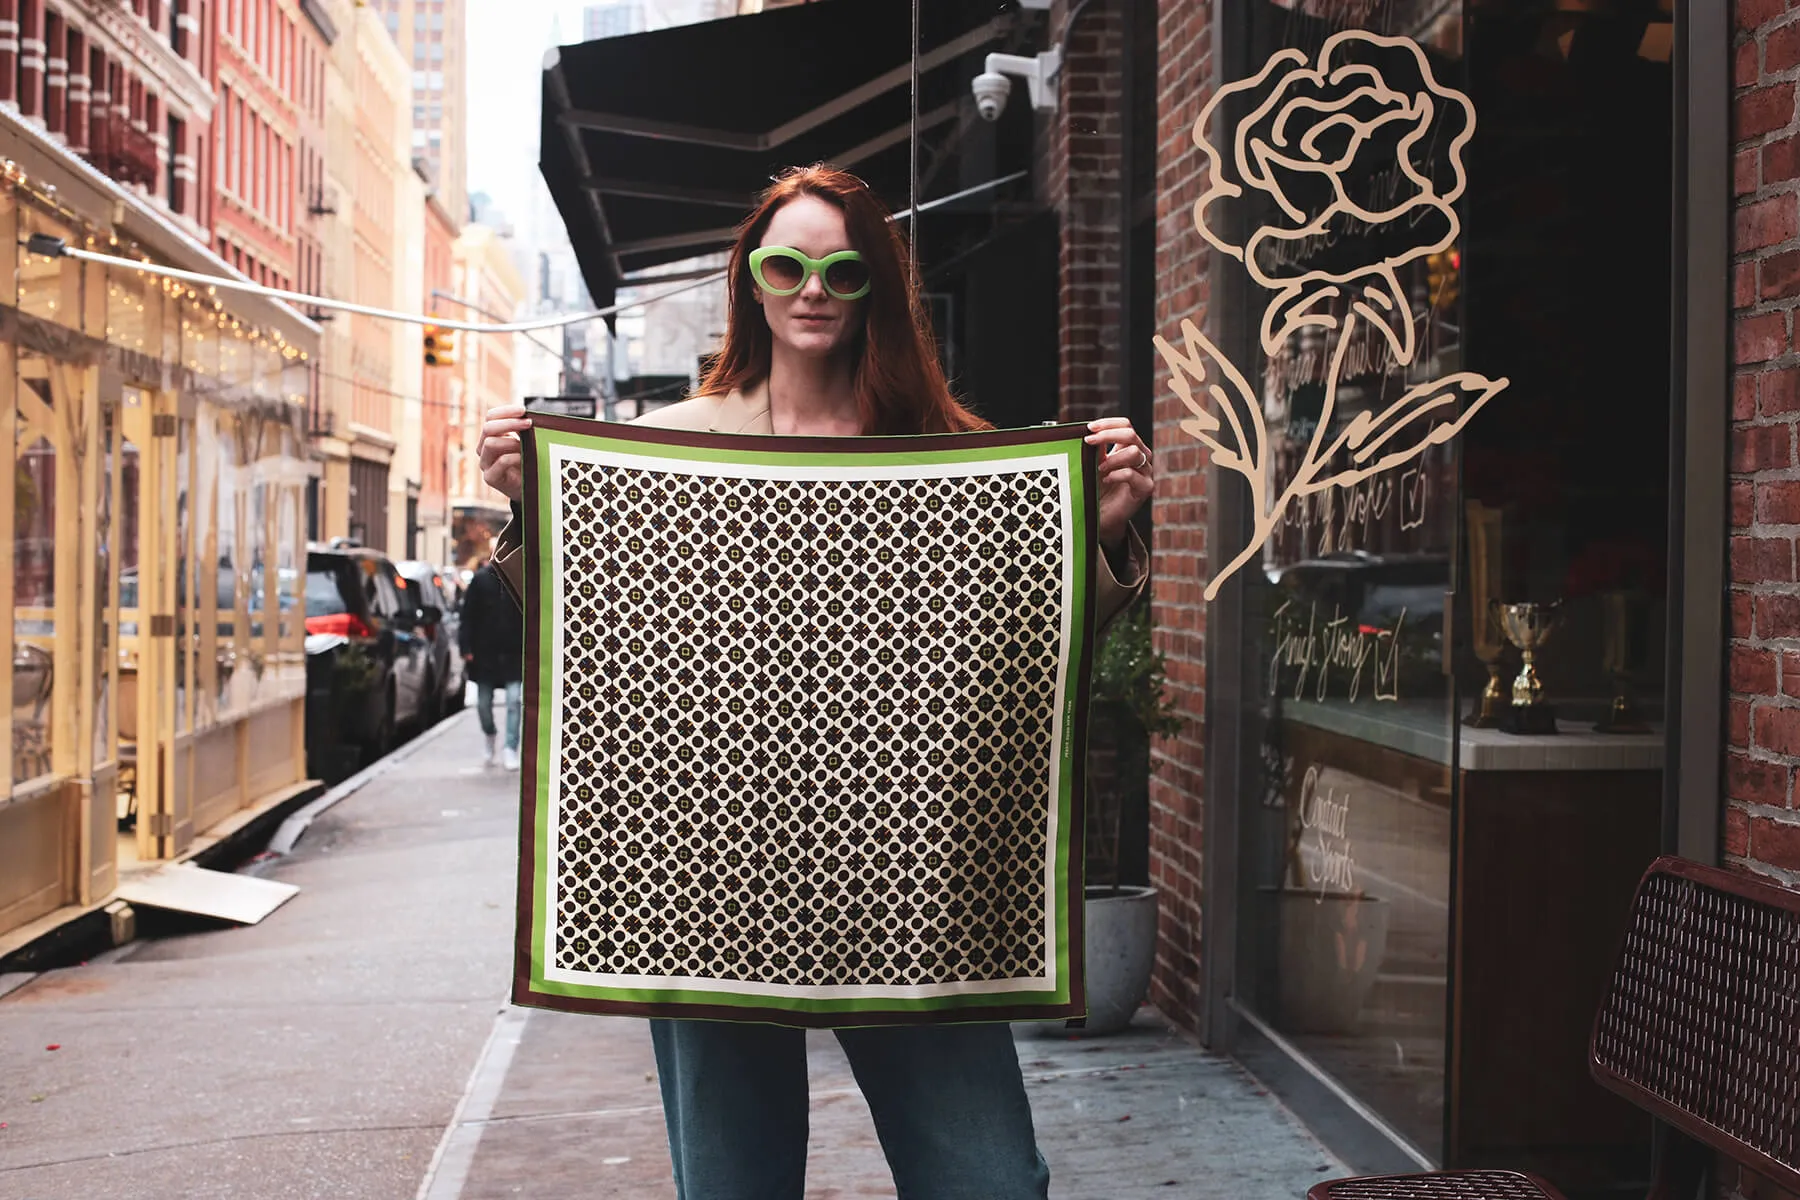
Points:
(805, 723)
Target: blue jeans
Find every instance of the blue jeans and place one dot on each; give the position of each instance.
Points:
(515, 710)
(948, 1101)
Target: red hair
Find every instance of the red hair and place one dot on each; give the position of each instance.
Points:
(899, 384)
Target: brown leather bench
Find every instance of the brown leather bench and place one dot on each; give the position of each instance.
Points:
(1700, 1028)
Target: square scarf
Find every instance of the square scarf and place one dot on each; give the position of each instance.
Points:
(805, 723)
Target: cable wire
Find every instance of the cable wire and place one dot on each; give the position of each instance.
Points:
(51, 247)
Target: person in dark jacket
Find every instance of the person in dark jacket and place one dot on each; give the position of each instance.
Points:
(493, 644)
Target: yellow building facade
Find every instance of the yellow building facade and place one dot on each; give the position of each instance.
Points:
(155, 567)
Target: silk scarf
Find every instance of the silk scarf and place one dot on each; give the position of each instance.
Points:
(805, 722)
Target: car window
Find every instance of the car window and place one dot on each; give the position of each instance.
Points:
(389, 585)
(373, 603)
(323, 596)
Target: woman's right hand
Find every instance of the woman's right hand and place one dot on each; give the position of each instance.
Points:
(502, 458)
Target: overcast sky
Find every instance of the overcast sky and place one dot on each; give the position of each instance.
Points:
(507, 40)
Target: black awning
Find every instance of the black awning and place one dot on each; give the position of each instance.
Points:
(654, 145)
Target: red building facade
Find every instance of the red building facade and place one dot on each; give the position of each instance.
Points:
(269, 73)
(129, 87)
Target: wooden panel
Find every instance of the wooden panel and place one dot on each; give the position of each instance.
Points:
(216, 785)
(36, 857)
(1547, 863)
(100, 864)
(270, 759)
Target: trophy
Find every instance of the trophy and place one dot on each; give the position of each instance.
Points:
(1529, 626)
(1488, 638)
(1623, 652)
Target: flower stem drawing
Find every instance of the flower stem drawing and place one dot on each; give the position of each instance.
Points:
(1344, 151)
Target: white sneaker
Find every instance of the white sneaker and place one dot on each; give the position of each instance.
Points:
(512, 759)
(489, 760)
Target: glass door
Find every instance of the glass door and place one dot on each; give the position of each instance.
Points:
(154, 442)
(1338, 196)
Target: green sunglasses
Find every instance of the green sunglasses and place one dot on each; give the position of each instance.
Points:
(782, 271)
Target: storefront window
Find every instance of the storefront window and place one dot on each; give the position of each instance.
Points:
(36, 463)
(131, 620)
(205, 549)
(184, 566)
(257, 593)
(105, 612)
(289, 585)
(229, 561)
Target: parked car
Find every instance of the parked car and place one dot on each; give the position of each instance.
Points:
(436, 591)
(368, 657)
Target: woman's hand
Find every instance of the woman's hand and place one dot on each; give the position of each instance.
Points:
(502, 458)
(1125, 477)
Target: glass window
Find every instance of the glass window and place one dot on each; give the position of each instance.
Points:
(185, 631)
(226, 561)
(105, 611)
(34, 572)
(323, 596)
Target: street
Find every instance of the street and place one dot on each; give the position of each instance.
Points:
(357, 1044)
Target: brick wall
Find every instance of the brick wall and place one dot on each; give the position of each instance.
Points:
(1184, 72)
(1083, 174)
(1762, 826)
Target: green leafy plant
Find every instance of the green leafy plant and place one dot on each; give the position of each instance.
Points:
(1128, 705)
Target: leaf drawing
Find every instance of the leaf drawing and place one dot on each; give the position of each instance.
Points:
(1403, 430)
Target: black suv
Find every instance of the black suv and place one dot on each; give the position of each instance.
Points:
(368, 657)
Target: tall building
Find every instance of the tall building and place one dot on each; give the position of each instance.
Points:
(441, 390)
(484, 273)
(368, 168)
(611, 20)
(431, 35)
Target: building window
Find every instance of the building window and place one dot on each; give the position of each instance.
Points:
(174, 186)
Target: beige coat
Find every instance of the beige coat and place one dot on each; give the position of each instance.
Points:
(748, 412)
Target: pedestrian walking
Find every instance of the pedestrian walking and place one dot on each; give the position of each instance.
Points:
(493, 644)
(826, 336)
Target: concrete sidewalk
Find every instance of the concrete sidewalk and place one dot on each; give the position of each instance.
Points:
(357, 1043)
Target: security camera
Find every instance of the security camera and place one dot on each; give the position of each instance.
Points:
(1039, 72)
(991, 91)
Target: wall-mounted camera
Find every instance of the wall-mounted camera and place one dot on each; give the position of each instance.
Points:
(1039, 72)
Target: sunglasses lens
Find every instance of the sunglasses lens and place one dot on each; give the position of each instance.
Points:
(782, 271)
(847, 277)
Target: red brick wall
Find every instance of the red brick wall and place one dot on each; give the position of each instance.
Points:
(1762, 826)
(1083, 173)
(1184, 73)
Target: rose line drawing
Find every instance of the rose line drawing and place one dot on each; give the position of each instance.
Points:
(1367, 115)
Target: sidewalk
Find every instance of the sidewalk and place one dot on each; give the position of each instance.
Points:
(357, 1044)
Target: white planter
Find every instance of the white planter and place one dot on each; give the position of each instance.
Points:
(1119, 931)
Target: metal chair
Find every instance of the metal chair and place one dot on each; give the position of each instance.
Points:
(1700, 1028)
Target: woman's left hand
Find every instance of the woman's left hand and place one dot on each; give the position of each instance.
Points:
(1126, 478)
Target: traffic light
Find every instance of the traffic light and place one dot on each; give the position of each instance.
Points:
(440, 347)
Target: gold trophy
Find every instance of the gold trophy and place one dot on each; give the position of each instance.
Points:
(1624, 650)
(1529, 626)
(1489, 638)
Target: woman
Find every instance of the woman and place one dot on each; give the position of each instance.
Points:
(822, 344)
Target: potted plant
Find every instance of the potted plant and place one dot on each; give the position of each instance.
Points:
(1126, 708)
(1331, 933)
